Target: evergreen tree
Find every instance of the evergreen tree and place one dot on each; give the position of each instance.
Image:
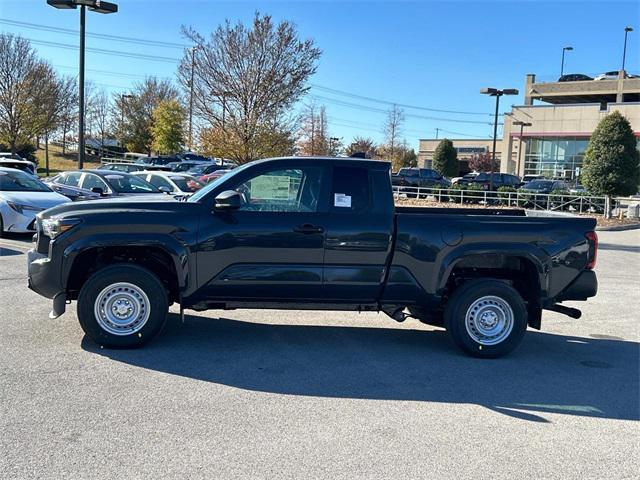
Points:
(611, 162)
(445, 159)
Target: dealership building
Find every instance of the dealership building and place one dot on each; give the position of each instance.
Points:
(558, 118)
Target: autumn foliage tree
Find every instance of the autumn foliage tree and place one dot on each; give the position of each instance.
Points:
(362, 145)
(168, 127)
(480, 162)
(245, 81)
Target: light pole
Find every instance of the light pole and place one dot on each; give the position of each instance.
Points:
(494, 92)
(95, 6)
(564, 49)
(193, 66)
(624, 51)
(522, 125)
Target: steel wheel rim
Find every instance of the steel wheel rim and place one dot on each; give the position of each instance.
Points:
(489, 320)
(122, 309)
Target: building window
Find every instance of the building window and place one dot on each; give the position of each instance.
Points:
(557, 157)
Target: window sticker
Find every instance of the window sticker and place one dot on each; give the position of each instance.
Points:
(267, 187)
(341, 200)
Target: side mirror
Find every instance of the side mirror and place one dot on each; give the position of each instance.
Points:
(228, 200)
(164, 189)
(98, 190)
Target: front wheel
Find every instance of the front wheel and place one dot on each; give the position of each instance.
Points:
(122, 306)
(486, 318)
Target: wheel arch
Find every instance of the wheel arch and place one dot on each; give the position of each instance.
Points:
(168, 263)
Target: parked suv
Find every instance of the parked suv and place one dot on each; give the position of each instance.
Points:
(410, 179)
(499, 180)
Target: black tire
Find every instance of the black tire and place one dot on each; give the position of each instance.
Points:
(1, 226)
(458, 305)
(143, 280)
(426, 316)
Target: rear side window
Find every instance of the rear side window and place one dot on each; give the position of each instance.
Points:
(71, 179)
(351, 192)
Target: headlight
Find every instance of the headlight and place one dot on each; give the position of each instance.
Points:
(21, 208)
(52, 227)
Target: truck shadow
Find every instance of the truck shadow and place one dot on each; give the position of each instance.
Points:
(595, 377)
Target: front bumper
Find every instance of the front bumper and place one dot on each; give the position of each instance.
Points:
(584, 286)
(17, 222)
(43, 278)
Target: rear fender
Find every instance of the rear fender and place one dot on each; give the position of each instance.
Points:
(527, 251)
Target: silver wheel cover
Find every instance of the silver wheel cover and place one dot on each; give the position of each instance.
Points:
(489, 320)
(122, 309)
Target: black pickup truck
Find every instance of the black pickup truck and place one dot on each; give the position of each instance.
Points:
(310, 233)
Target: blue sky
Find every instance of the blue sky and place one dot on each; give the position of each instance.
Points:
(435, 55)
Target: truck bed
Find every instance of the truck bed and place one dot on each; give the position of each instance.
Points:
(510, 212)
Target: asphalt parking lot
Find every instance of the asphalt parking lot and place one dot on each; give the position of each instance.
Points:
(274, 394)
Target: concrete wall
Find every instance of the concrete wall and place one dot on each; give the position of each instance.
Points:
(573, 120)
(428, 146)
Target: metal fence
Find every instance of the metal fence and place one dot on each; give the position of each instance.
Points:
(567, 202)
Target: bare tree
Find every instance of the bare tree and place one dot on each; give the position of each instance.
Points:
(18, 83)
(100, 115)
(314, 137)
(246, 78)
(69, 110)
(49, 102)
(393, 130)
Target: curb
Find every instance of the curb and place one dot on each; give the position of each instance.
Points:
(619, 228)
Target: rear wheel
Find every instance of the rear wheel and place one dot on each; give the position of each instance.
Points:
(486, 318)
(1, 226)
(122, 306)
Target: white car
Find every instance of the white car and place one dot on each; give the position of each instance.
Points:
(19, 163)
(21, 198)
(613, 75)
(178, 184)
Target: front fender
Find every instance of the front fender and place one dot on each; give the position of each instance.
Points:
(177, 251)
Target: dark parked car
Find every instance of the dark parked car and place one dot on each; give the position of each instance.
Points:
(574, 77)
(410, 179)
(187, 165)
(122, 167)
(484, 180)
(157, 161)
(546, 186)
(204, 169)
(310, 233)
(101, 183)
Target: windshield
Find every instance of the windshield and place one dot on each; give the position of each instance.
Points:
(20, 182)
(130, 184)
(196, 197)
(186, 183)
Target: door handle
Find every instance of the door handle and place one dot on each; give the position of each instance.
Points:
(308, 228)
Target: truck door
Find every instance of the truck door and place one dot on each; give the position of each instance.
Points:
(272, 248)
(359, 233)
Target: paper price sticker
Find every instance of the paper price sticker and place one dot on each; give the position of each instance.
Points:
(341, 200)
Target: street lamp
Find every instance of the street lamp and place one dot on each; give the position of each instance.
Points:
(494, 92)
(564, 49)
(95, 6)
(624, 52)
(522, 125)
